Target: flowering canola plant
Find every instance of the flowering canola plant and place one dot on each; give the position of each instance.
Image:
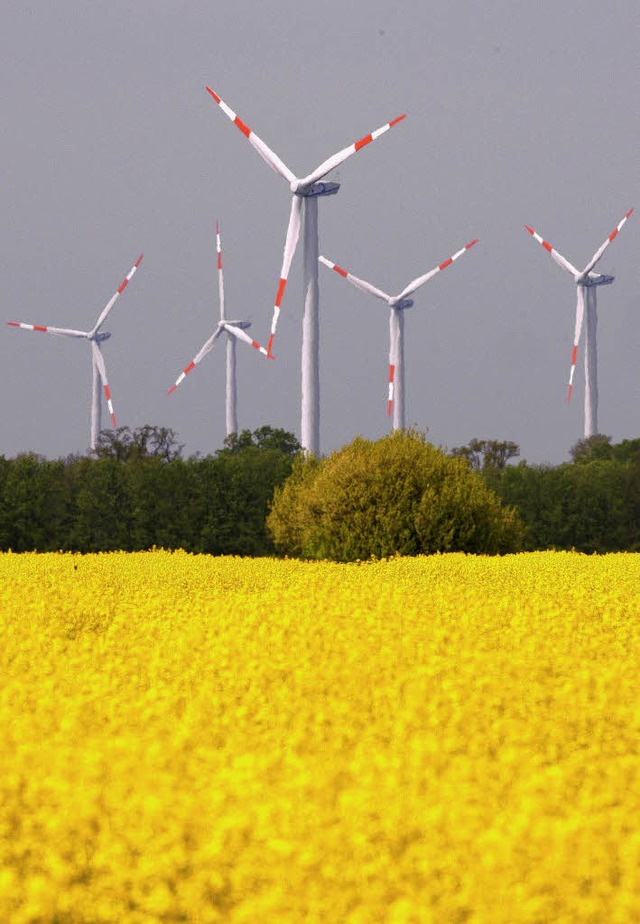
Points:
(441, 739)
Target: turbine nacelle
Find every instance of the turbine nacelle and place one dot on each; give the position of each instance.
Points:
(243, 325)
(100, 338)
(597, 279)
(403, 303)
(316, 189)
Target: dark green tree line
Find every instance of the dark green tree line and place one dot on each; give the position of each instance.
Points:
(591, 504)
(137, 492)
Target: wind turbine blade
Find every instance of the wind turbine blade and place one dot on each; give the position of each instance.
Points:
(354, 280)
(208, 346)
(263, 150)
(576, 338)
(422, 279)
(220, 279)
(392, 370)
(123, 285)
(60, 331)
(336, 159)
(560, 260)
(293, 233)
(99, 362)
(393, 358)
(594, 259)
(241, 335)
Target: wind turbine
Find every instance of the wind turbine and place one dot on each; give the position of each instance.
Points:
(586, 304)
(305, 194)
(397, 304)
(235, 330)
(95, 338)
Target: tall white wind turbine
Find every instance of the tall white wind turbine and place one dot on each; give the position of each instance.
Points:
(305, 193)
(397, 304)
(95, 338)
(235, 330)
(586, 286)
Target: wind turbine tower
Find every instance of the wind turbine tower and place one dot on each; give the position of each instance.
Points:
(235, 330)
(95, 337)
(305, 194)
(587, 283)
(397, 305)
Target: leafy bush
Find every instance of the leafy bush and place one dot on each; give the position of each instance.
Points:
(398, 495)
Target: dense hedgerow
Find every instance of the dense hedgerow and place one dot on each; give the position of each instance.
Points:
(130, 498)
(443, 738)
(398, 495)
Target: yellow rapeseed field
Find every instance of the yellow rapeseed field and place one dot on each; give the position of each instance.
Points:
(443, 739)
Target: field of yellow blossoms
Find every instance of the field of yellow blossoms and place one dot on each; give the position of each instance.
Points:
(443, 739)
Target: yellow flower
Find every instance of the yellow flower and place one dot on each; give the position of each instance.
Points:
(230, 740)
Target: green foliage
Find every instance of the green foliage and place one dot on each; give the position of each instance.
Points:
(592, 507)
(33, 510)
(596, 448)
(240, 482)
(162, 495)
(263, 438)
(398, 495)
(591, 504)
(136, 492)
(126, 445)
(599, 448)
(103, 507)
(487, 455)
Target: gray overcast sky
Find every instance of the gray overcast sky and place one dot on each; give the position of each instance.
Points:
(517, 112)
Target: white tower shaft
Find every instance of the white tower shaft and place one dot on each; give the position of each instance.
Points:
(310, 404)
(396, 354)
(590, 363)
(232, 392)
(96, 406)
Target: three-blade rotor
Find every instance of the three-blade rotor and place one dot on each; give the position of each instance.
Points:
(300, 187)
(94, 336)
(396, 303)
(581, 278)
(234, 329)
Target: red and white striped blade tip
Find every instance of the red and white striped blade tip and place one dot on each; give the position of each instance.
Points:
(367, 139)
(127, 279)
(535, 234)
(450, 260)
(538, 237)
(269, 156)
(269, 345)
(392, 374)
(39, 327)
(235, 118)
(613, 233)
(338, 158)
(618, 227)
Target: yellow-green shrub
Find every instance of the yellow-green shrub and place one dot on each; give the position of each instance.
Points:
(398, 495)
